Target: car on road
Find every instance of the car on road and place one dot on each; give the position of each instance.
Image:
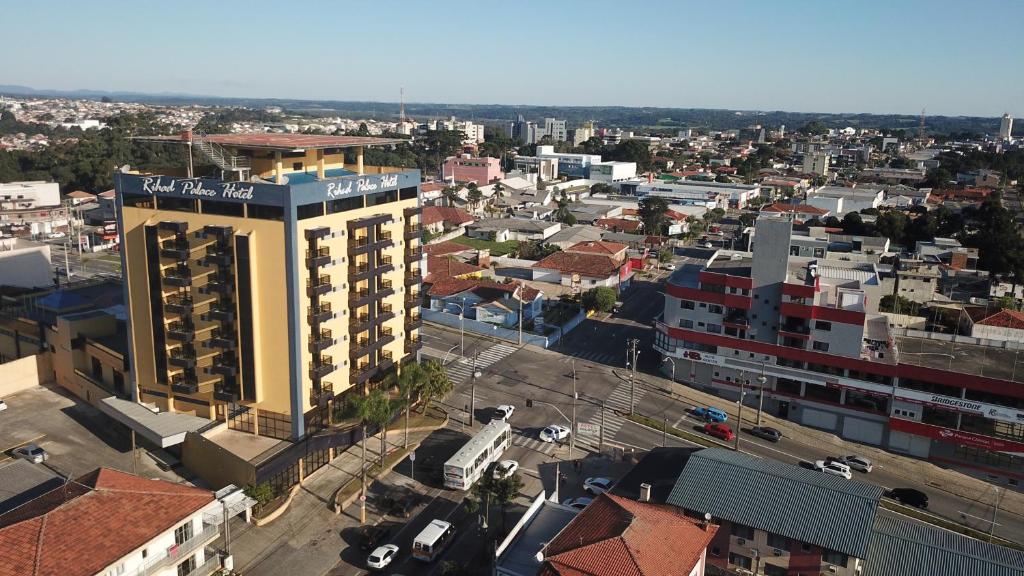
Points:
(597, 485)
(578, 503)
(505, 468)
(834, 468)
(554, 433)
(54, 235)
(766, 432)
(669, 266)
(710, 414)
(370, 537)
(908, 497)
(32, 452)
(719, 430)
(708, 245)
(382, 556)
(400, 506)
(858, 463)
(503, 413)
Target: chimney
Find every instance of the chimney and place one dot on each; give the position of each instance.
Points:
(645, 492)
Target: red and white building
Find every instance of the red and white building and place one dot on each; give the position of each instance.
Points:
(811, 328)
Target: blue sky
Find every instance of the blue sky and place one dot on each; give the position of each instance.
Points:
(954, 58)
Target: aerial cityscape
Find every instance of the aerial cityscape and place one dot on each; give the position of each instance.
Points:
(512, 290)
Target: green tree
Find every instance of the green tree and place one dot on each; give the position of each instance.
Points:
(602, 188)
(652, 211)
(632, 151)
(665, 255)
(563, 214)
(450, 194)
(473, 194)
(747, 219)
(411, 382)
(505, 491)
(601, 299)
(438, 385)
(714, 215)
(853, 223)
(891, 225)
(262, 493)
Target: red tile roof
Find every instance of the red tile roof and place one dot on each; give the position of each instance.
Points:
(451, 286)
(82, 528)
(619, 224)
(446, 247)
(616, 536)
(590, 265)
(440, 267)
(599, 247)
(449, 214)
(1001, 319)
(80, 194)
(432, 186)
(794, 209)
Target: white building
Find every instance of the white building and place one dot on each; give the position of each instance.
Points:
(575, 165)
(474, 132)
(555, 129)
(711, 194)
(817, 163)
(839, 200)
(25, 264)
(28, 195)
(1006, 128)
(612, 171)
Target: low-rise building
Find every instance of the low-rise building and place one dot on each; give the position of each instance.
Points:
(795, 212)
(466, 168)
(999, 326)
(25, 264)
(612, 171)
(438, 219)
(583, 270)
(519, 229)
(28, 195)
(980, 178)
(839, 200)
(710, 194)
(486, 300)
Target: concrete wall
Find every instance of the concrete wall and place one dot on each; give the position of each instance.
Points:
(217, 466)
(26, 267)
(24, 373)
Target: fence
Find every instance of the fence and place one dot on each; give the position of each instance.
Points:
(477, 327)
(959, 339)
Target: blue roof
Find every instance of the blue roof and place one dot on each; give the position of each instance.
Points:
(62, 300)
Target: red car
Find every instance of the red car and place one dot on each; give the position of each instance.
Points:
(719, 430)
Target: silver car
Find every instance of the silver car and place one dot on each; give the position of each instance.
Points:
(32, 452)
(858, 463)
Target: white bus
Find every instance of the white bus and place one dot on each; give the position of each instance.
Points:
(465, 468)
(432, 540)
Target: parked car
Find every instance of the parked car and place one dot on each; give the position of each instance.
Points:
(554, 433)
(858, 463)
(370, 537)
(505, 468)
(402, 506)
(669, 266)
(766, 432)
(597, 485)
(503, 412)
(382, 556)
(578, 503)
(834, 468)
(719, 430)
(32, 452)
(711, 414)
(708, 245)
(908, 497)
(3, 405)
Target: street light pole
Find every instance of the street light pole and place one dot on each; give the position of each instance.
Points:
(668, 359)
(739, 411)
(600, 435)
(632, 376)
(572, 435)
(760, 396)
(472, 393)
(462, 328)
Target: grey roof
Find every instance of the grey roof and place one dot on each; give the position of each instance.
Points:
(906, 547)
(576, 233)
(518, 224)
(161, 428)
(22, 481)
(779, 498)
(519, 557)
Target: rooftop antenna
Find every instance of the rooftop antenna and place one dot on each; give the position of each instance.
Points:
(920, 127)
(401, 106)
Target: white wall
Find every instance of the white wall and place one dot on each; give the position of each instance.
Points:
(159, 548)
(997, 333)
(21, 195)
(25, 265)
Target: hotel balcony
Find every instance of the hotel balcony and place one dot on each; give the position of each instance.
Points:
(183, 357)
(384, 265)
(221, 339)
(383, 241)
(413, 343)
(318, 233)
(413, 321)
(413, 254)
(384, 289)
(359, 323)
(412, 211)
(320, 342)
(221, 312)
(225, 365)
(413, 298)
(176, 227)
(181, 331)
(179, 305)
(358, 245)
(222, 286)
(219, 257)
(218, 232)
(357, 272)
(359, 297)
(184, 384)
(318, 257)
(322, 396)
(412, 277)
(178, 277)
(227, 393)
(385, 313)
(413, 231)
(175, 249)
(319, 285)
(317, 370)
(360, 348)
(319, 313)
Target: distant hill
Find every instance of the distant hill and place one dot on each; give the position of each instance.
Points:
(664, 120)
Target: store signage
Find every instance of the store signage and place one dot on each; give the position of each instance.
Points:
(990, 411)
(701, 357)
(362, 185)
(196, 187)
(956, 436)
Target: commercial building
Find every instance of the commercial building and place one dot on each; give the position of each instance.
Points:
(257, 304)
(709, 194)
(1006, 128)
(531, 133)
(840, 200)
(612, 171)
(817, 163)
(25, 264)
(28, 195)
(829, 361)
(572, 165)
(466, 168)
(546, 169)
(794, 212)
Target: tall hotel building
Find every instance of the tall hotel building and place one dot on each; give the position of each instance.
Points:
(257, 300)
(830, 360)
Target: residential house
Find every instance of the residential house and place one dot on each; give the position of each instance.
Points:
(519, 229)
(108, 522)
(583, 270)
(575, 234)
(949, 251)
(1004, 325)
(620, 225)
(795, 212)
(486, 300)
(439, 219)
(442, 267)
(590, 213)
(466, 168)
(614, 250)
(979, 178)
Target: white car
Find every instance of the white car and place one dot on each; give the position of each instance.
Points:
(834, 468)
(597, 485)
(505, 468)
(578, 503)
(504, 412)
(669, 266)
(3, 405)
(382, 556)
(33, 453)
(708, 245)
(554, 433)
(855, 462)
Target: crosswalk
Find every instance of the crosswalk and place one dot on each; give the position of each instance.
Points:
(532, 443)
(617, 403)
(608, 358)
(461, 369)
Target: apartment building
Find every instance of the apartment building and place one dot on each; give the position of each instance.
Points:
(257, 303)
(466, 168)
(810, 327)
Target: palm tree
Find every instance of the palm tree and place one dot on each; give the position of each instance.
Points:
(438, 385)
(411, 381)
(474, 195)
(378, 412)
(451, 194)
(362, 408)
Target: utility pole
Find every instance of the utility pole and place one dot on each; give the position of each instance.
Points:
(135, 471)
(664, 431)
(995, 510)
(462, 328)
(600, 435)
(472, 393)
(572, 436)
(668, 359)
(760, 396)
(521, 291)
(739, 411)
(632, 375)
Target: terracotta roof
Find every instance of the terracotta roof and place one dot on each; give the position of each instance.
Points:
(451, 286)
(598, 247)
(80, 194)
(432, 186)
(440, 267)
(619, 224)
(1001, 319)
(275, 141)
(590, 265)
(107, 194)
(446, 247)
(794, 209)
(616, 536)
(82, 528)
(435, 214)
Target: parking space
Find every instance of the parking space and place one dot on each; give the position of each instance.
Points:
(77, 437)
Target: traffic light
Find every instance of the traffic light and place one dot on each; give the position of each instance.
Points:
(529, 402)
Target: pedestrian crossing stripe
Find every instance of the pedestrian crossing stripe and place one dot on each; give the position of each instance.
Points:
(461, 369)
(534, 444)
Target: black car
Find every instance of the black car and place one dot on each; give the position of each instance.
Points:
(908, 497)
(402, 507)
(766, 432)
(372, 536)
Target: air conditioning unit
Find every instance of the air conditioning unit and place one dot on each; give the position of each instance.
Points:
(777, 552)
(832, 569)
(741, 541)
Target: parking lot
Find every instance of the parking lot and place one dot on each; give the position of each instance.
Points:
(77, 437)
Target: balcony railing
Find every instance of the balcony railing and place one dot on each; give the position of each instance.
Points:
(222, 257)
(413, 298)
(181, 551)
(181, 331)
(319, 313)
(221, 312)
(318, 257)
(356, 245)
(320, 342)
(318, 370)
(184, 384)
(358, 297)
(319, 285)
(221, 339)
(182, 357)
(322, 396)
(413, 321)
(412, 277)
(225, 365)
(179, 305)
(176, 249)
(413, 231)
(218, 286)
(179, 276)
(412, 344)
(414, 254)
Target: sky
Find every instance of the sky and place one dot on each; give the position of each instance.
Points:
(893, 56)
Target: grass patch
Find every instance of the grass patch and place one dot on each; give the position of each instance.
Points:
(947, 524)
(434, 417)
(660, 426)
(496, 248)
(372, 472)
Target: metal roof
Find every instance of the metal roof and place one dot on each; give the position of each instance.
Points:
(906, 547)
(783, 499)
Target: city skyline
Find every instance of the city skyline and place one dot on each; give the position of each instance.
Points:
(709, 63)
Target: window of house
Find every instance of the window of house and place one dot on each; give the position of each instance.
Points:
(739, 560)
(741, 531)
(97, 369)
(686, 323)
(183, 533)
(703, 305)
(820, 346)
(186, 567)
(823, 325)
(715, 309)
(778, 541)
(836, 558)
(716, 551)
(714, 328)
(686, 304)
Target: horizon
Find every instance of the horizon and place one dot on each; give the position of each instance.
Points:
(790, 57)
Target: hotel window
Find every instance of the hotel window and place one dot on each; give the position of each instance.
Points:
(262, 212)
(686, 323)
(344, 204)
(773, 570)
(183, 533)
(223, 208)
(714, 328)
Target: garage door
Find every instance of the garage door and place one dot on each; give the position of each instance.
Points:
(819, 419)
(864, 431)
